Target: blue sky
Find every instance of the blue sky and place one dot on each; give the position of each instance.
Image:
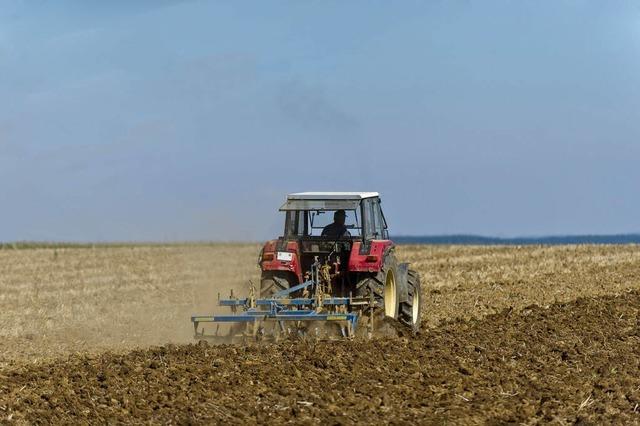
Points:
(172, 120)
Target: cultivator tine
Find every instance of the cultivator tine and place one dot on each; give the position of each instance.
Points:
(370, 323)
(252, 295)
(254, 330)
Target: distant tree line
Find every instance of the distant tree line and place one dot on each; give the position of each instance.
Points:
(464, 239)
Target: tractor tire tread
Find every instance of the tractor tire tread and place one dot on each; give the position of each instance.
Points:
(269, 286)
(406, 308)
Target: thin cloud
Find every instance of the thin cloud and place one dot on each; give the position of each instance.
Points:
(311, 108)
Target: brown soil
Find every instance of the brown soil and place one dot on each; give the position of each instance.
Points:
(486, 355)
(571, 362)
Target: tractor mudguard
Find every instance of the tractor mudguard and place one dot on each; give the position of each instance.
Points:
(401, 281)
(270, 262)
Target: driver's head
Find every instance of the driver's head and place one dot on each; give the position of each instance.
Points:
(339, 217)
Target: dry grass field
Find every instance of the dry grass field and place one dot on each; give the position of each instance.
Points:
(60, 301)
(519, 334)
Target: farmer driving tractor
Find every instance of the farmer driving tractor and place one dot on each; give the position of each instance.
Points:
(337, 229)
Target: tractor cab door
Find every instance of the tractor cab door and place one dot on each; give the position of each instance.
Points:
(375, 226)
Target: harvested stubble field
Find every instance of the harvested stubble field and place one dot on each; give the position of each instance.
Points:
(511, 334)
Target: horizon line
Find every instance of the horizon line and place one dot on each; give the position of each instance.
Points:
(428, 239)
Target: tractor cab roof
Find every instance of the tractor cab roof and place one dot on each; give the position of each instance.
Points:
(325, 200)
(331, 195)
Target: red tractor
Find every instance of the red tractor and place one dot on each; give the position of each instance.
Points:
(334, 263)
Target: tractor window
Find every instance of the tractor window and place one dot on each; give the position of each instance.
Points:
(377, 214)
(368, 220)
(319, 219)
(300, 223)
(373, 220)
(295, 224)
(383, 222)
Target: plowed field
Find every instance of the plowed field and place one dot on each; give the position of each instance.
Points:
(511, 335)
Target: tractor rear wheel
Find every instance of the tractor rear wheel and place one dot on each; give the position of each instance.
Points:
(270, 286)
(411, 310)
(384, 287)
(390, 286)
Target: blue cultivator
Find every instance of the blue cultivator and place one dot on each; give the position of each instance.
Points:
(281, 314)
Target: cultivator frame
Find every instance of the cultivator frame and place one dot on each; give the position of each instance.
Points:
(289, 315)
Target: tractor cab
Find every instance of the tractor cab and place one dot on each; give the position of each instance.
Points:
(309, 213)
(325, 225)
(344, 229)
